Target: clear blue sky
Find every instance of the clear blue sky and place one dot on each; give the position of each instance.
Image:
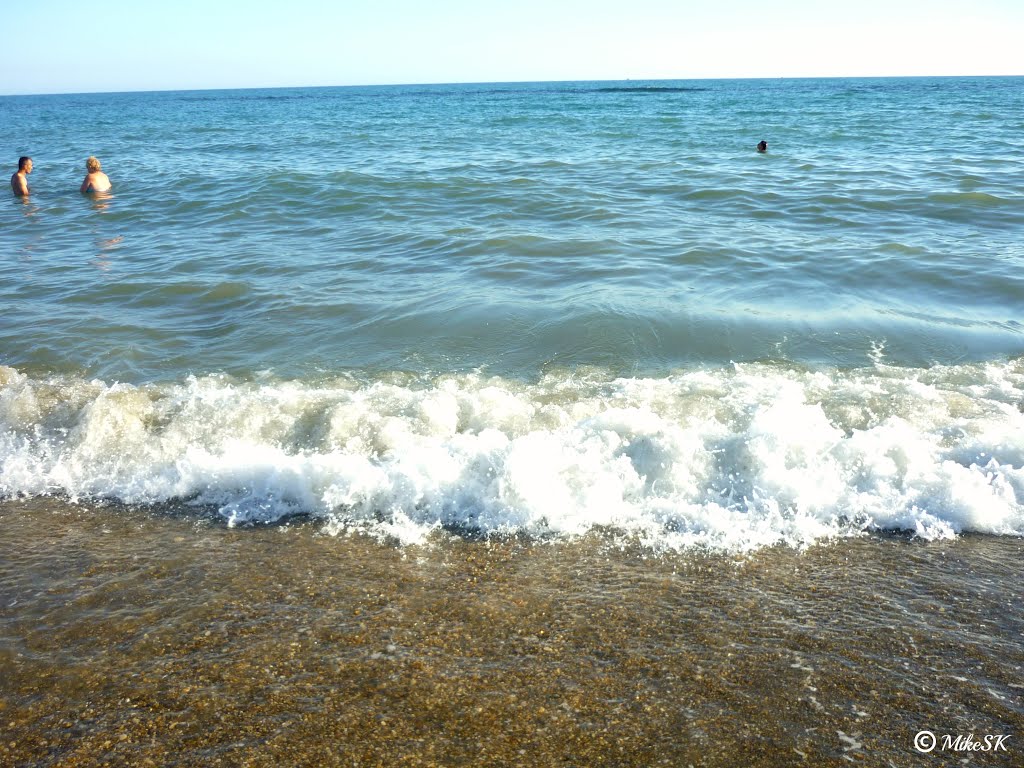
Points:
(67, 46)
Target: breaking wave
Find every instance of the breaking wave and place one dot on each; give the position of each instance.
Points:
(733, 458)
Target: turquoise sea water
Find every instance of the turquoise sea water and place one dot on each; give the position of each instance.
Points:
(590, 435)
(530, 307)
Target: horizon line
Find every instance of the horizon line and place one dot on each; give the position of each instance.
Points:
(497, 83)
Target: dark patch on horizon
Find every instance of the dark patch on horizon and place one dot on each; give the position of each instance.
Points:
(650, 89)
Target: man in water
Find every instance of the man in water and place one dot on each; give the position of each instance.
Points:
(95, 179)
(19, 181)
(762, 146)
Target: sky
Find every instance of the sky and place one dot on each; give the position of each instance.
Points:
(69, 46)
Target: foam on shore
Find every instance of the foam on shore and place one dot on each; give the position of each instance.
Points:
(734, 458)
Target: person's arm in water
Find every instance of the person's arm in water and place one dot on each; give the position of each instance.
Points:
(19, 183)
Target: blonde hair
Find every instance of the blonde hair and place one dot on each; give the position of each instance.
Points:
(92, 165)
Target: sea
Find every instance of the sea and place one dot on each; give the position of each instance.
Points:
(526, 424)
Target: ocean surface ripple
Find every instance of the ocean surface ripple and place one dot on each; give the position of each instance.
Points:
(526, 307)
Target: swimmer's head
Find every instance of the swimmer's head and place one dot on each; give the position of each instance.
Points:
(24, 162)
(762, 146)
(92, 165)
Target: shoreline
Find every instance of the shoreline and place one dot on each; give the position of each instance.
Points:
(138, 638)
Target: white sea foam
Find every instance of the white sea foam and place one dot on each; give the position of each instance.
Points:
(734, 458)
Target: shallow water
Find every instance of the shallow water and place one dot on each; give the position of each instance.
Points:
(161, 638)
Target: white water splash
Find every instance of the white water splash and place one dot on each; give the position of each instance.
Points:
(734, 459)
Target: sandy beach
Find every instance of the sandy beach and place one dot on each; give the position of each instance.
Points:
(162, 637)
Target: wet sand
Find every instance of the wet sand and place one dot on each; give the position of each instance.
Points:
(160, 637)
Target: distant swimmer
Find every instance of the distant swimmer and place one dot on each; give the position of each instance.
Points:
(762, 146)
(19, 181)
(95, 180)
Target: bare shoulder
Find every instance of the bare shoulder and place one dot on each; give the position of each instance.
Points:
(96, 182)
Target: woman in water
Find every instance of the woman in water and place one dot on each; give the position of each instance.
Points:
(95, 180)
